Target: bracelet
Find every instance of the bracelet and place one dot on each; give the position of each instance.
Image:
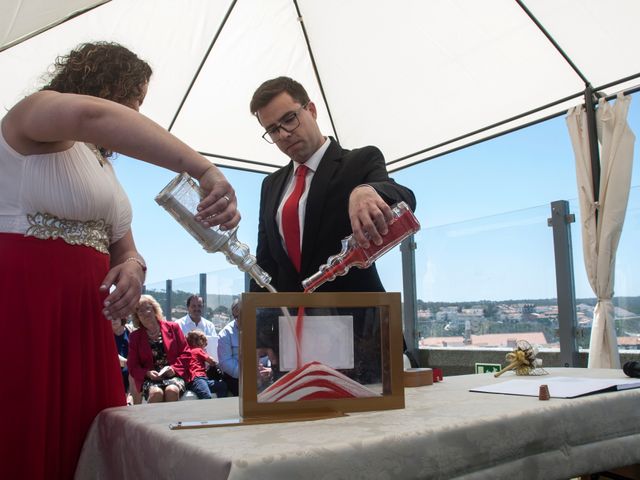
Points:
(143, 265)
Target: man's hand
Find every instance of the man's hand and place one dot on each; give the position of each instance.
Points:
(369, 215)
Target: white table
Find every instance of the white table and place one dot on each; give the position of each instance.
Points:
(444, 432)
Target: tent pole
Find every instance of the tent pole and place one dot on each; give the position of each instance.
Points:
(315, 69)
(593, 142)
(201, 66)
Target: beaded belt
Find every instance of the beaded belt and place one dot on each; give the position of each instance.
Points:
(91, 233)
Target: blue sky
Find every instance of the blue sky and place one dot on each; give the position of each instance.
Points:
(483, 213)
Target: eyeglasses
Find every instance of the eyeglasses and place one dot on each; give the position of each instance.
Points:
(288, 123)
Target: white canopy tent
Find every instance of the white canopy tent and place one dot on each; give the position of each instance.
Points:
(415, 78)
(21, 20)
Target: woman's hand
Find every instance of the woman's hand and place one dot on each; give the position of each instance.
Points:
(153, 375)
(127, 278)
(220, 205)
(126, 275)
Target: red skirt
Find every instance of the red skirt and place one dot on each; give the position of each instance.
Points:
(59, 356)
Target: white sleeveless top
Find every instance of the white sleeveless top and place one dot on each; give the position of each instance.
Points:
(69, 185)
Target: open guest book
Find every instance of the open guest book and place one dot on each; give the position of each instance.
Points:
(559, 387)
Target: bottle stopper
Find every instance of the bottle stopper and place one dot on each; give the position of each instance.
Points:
(543, 394)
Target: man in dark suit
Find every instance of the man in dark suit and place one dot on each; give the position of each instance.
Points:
(340, 192)
(345, 191)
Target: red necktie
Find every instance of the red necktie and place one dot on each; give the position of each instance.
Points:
(290, 218)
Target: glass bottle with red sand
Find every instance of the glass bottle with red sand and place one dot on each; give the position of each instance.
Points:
(403, 224)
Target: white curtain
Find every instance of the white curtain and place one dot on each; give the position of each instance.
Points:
(600, 239)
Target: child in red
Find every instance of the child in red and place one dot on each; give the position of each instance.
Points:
(200, 384)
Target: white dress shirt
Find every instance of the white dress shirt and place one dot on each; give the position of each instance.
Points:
(312, 165)
(187, 324)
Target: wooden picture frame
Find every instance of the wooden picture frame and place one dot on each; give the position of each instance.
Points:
(387, 308)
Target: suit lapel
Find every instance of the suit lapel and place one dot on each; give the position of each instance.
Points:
(316, 201)
(272, 201)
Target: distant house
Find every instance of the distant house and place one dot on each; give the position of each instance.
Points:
(620, 312)
(492, 340)
(629, 343)
(507, 339)
(442, 342)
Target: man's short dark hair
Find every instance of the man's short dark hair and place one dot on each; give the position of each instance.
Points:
(191, 298)
(274, 87)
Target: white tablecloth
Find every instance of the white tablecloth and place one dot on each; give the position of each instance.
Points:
(444, 432)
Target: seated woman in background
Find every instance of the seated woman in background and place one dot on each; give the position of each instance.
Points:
(158, 354)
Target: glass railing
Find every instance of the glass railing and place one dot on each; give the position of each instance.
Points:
(181, 289)
(488, 282)
(221, 288)
(626, 298)
(483, 283)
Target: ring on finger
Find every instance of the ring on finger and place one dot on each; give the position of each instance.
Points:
(226, 197)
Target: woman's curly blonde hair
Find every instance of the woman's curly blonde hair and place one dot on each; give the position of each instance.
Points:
(100, 69)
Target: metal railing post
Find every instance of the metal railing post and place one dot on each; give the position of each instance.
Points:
(561, 221)
(203, 291)
(410, 299)
(167, 301)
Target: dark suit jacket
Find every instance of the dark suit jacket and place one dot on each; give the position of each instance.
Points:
(140, 359)
(326, 219)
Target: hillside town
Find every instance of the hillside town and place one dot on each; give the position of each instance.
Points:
(499, 325)
(481, 324)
